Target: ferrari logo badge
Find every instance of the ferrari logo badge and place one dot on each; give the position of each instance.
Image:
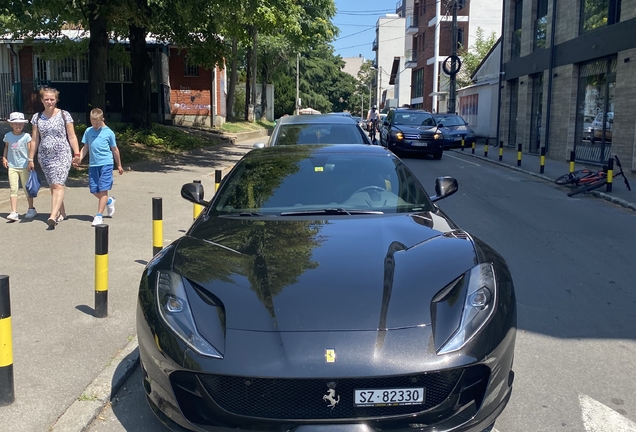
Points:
(330, 355)
(331, 398)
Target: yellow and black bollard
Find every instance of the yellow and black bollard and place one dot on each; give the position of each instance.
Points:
(473, 146)
(196, 208)
(500, 151)
(217, 179)
(572, 157)
(157, 225)
(519, 148)
(101, 271)
(7, 395)
(542, 161)
(463, 142)
(486, 148)
(610, 174)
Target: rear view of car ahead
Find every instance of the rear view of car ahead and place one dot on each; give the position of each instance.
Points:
(454, 128)
(316, 129)
(323, 289)
(409, 131)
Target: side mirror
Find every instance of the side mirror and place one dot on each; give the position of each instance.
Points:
(193, 192)
(440, 125)
(259, 145)
(444, 187)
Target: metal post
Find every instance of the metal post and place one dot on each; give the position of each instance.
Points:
(196, 208)
(7, 394)
(101, 271)
(296, 104)
(217, 179)
(452, 89)
(473, 146)
(519, 149)
(500, 150)
(462, 143)
(486, 148)
(610, 174)
(572, 157)
(157, 225)
(542, 169)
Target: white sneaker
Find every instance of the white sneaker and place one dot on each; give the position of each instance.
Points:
(110, 208)
(13, 216)
(31, 213)
(97, 220)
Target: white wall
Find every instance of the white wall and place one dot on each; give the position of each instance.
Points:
(390, 33)
(487, 15)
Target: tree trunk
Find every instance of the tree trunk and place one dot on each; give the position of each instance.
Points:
(264, 81)
(233, 77)
(97, 57)
(248, 68)
(140, 65)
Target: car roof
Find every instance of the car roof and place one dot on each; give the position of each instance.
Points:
(316, 118)
(356, 149)
(410, 110)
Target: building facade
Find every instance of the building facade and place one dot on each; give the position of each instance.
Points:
(429, 41)
(181, 93)
(388, 45)
(569, 81)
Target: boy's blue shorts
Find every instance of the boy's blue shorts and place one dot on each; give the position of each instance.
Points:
(100, 178)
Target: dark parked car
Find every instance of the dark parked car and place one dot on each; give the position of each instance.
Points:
(321, 288)
(454, 128)
(412, 131)
(316, 129)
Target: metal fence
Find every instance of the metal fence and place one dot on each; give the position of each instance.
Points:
(6, 96)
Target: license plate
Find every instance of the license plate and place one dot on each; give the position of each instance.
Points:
(458, 138)
(419, 144)
(389, 397)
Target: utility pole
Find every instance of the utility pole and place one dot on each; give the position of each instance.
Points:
(452, 96)
(296, 103)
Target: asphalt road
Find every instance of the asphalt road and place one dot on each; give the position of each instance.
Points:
(572, 260)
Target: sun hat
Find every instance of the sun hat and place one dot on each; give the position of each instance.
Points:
(17, 117)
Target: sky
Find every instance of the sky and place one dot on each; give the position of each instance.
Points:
(356, 20)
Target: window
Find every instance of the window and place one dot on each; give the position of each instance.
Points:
(541, 25)
(516, 30)
(417, 83)
(460, 38)
(192, 71)
(75, 69)
(599, 13)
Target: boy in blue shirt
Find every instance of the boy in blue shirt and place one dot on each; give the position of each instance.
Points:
(99, 142)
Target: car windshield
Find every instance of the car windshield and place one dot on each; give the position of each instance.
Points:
(413, 119)
(319, 133)
(333, 183)
(450, 120)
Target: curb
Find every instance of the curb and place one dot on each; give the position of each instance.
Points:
(597, 194)
(245, 136)
(79, 416)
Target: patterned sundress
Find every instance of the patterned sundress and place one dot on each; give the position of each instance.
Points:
(54, 152)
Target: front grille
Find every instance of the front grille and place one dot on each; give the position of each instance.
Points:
(417, 137)
(295, 399)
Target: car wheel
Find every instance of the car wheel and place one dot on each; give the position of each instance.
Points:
(438, 154)
(489, 428)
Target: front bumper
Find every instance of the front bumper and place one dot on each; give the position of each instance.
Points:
(423, 146)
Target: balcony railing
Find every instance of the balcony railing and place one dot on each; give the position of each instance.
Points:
(412, 24)
(374, 45)
(410, 58)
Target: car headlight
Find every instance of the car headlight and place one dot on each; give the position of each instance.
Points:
(172, 302)
(397, 135)
(479, 300)
(438, 135)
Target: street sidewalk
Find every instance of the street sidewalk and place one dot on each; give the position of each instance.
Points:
(531, 164)
(67, 363)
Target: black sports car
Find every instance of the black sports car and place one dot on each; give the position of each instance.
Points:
(321, 289)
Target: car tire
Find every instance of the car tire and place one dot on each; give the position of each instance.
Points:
(438, 154)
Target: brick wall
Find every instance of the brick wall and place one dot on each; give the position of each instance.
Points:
(189, 95)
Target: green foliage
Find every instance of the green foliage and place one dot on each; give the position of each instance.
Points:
(472, 57)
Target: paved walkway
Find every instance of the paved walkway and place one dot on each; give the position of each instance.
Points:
(67, 363)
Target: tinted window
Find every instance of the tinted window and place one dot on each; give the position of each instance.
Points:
(414, 119)
(296, 182)
(319, 134)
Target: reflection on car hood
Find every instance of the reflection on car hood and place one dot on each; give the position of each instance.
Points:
(452, 130)
(352, 273)
(415, 129)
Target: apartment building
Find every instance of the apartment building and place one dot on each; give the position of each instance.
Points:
(569, 81)
(428, 41)
(389, 46)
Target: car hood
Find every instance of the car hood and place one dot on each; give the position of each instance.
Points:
(415, 129)
(455, 130)
(353, 273)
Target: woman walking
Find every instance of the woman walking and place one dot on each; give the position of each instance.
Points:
(53, 138)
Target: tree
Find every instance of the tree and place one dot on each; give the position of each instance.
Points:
(471, 58)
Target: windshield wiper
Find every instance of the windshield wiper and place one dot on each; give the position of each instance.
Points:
(330, 211)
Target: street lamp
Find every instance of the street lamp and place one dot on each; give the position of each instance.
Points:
(378, 77)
